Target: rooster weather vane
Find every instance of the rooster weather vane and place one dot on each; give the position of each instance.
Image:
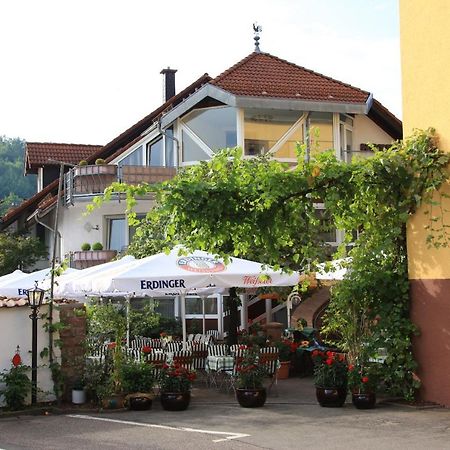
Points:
(257, 29)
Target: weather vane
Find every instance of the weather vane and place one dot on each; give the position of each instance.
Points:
(257, 29)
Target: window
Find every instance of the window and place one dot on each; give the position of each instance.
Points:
(116, 234)
(135, 158)
(194, 306)
(155, 154)
(169, 150)
(263, 129)
(191, 150)
(320, 132)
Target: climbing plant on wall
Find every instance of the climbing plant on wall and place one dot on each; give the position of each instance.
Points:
(261, 209)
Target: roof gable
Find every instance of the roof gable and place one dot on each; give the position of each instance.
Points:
(38, 154)
(264, 75)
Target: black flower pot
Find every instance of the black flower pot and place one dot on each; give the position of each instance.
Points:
(331, 396)
(251, 398)
(364, 400)
(175, 401)
(140, 401)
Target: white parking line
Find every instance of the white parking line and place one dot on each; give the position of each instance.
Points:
(227, 435)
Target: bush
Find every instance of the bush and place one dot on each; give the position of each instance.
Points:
(83, 162)
(100, 161)
(137, 377)
(86, 246)
(97, 246)
(17, 386)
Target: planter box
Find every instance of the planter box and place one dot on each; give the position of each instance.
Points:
(89, 258)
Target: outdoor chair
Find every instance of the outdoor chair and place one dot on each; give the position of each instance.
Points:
(231, 375)
(134, 353)
(184, 358)
(199, 355)
(139, 341)
(214, 333)
(269, 358)
(198, 337)
(190, 337)
(206, 339)
(173, 346)
(218, 350)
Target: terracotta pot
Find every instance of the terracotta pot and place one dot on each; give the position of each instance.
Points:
(364, 400)
(251, 398)
(331, 396)
(175, 401)
(283, 370)
(140, 401)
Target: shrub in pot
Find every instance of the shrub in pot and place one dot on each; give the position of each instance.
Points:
(97, 246)
(175, 386)
(100, 162)
(362, 383)
(85, 246)
(137, 382)
(83, 162)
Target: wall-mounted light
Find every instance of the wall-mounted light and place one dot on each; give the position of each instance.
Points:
(89, 227)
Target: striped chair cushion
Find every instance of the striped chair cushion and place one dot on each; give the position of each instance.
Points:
(184, 358)
(218, 350)
(173, 346)
(199, 354)
(269, 357)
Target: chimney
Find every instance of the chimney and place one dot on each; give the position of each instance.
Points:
(169, 83)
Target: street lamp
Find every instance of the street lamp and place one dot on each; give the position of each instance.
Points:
(34, 297)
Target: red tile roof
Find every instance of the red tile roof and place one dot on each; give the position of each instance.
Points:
(39, 153)
(264, 75)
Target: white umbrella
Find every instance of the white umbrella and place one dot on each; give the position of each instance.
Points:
(17, 287)
(197, 273)
(79, 284)
(333, 270)
(11, 276)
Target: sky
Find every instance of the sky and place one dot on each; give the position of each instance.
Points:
(83, 71)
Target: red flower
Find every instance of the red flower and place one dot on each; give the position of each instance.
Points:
(315, 353)
(112, 345)
(351, 367)
(365, 379)
(329, 361)
(146, 349)
(17, 360)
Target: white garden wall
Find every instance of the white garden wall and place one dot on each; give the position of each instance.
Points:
(15, 329)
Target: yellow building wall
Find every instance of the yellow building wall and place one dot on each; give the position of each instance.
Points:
(425, 50)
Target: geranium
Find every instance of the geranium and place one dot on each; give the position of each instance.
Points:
(330, 369)
(362, 378)
(112, 345)
(176, 378)
(286, 348)
(250, 374)
(146, 349)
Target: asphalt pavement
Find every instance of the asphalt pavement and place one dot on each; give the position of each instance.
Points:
(291, 419)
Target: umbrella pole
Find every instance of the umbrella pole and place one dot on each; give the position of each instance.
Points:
(127, 298)
(204, 318)
(183, 318)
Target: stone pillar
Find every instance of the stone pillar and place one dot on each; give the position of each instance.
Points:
(73, 316)
(273, 330)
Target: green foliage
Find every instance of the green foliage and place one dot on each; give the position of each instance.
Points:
(19, 252)
(85, 246)
(257, 209)
(250, 373)
(175, 378)
(100, 161)
(83, 162)
(97, 380)
(330, 369)
(14, 186)
(363, 378)
(137, 376)
(17, 386)
(97, 246)
(145, 321)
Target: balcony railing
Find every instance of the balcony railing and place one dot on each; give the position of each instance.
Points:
(83, 181)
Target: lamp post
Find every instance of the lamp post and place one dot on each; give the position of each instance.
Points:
(34, 297)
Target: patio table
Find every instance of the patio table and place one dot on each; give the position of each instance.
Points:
(216, 366)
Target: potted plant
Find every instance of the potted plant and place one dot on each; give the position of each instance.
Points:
(17, 384)
(85, 247)
(96, 246)
(137, 382)
(250, 392)
(78, 392)
(175, 387)
(330, 377)
(362, 383)
(286, 348)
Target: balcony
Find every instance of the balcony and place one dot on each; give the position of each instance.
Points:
(89, 258)
(85, 181)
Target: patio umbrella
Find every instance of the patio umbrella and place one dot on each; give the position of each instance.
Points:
(170, 274)
(18, 286)
(11, 276)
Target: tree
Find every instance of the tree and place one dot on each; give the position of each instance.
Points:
(261, 209)
(19, 252)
